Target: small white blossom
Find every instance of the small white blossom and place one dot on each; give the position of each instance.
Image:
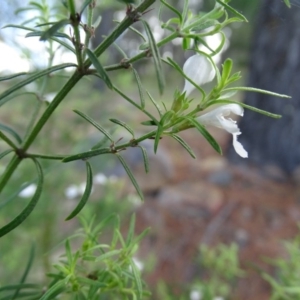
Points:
(100, 178)
(199, 69)
(138, 263)
(195, 295)
(72, 191)
(28, 191)
(217, 118)
(49, 97)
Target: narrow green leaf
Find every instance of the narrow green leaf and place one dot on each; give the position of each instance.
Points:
(227, 67)
(135, 104)
(158, 134)
(109, 254)
(91, 121)
(5, 153)
(137, 279)
(86, 194)
(56, 37)
(84, 5)
(8, 77)
(101, 71)
(15, 95)
(41, 33)
(185, 10)
(145, 158)
(54, 289)
(287, 2)
(183, 143)
(173, 9)
(130, 234)
(45, 24)
(85, 155)
(137, 32)
(231, 9)
(90, 282)
(101, 143)
(156, 57)
(32, 78)
(148, 123)
(122, 52)
(25, 274)
(140, 87)
(37, 5)
(255, 90)
(31, 205)
(68, 251)
(128, 128)
(97, 22)
(137, 240)
(53, 29)
(7, 140)
(206, 134)
(19, 27)
(155, 104)
(130, 175)
(263, 112)
(164, 120)
(172, 63)
(13, 287)
(11, 132)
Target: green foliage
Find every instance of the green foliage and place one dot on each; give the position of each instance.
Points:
(94, 268)
(285, 281)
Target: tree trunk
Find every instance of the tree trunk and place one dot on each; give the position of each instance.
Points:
(275, 66)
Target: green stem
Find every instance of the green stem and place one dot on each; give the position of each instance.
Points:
(141, 55)
(75, 21)
(67, 87)
(13, 164)
(88, 28)
(43, 156)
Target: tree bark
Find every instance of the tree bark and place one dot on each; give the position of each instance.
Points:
(274, 66)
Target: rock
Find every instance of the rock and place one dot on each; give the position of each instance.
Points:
(221, 178)
(193, 194)
(274, 172)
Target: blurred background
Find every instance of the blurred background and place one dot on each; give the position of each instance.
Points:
(241, 209)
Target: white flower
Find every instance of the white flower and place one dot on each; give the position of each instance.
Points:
(49, 97)
(100, 178)
(195, 295)
(199, 69)
(72, 192)
(138, 263)
(217, 118)
(28, 191)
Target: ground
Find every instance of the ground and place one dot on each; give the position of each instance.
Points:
(209, 200)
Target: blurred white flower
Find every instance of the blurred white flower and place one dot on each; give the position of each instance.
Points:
(195, 295)
(138, 263)
(72, 192)
(100, 178)
(216, 118)
(199, 69)
(49, 97)
(28, 191)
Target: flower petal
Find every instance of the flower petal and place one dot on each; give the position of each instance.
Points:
(199, 69)
(238, 147)
(216, 118)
